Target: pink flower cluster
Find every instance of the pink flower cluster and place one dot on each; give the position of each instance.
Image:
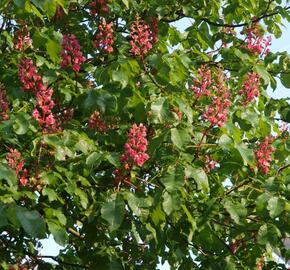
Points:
(71, 53)
(22, 40)
(96, 122)
(215, 90)
(251, 86)
(135, 153)
(32, 81)
(264, 154)
(210, 164)
(200, 87)
(136, 147)
(16, 163)
(256, 44)
(27, 73)
(142, 37)
(43, 112)
(104, 37)
(99, 6)
(4, 106)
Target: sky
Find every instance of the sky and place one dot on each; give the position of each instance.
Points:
(282, 44)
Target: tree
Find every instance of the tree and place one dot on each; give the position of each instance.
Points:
(131, 142)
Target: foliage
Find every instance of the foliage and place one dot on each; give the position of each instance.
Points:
(132, 142)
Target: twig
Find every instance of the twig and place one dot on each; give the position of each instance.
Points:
(55, 258)
(265, 15)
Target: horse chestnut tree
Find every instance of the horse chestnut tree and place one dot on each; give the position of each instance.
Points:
(133, 143)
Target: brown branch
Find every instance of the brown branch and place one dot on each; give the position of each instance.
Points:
(265, 15)
(283, 168)
(238, 186)
(56, 259)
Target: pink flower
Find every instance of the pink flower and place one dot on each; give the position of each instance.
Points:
(99, 6)
(15, 162)
(264, 154)
(23, 179)
(215, 90)
(136, 147)
(71, 53)
(142, 37)
(28, 75)
(135, 153)
(201, 87)
(104, 37)
(250, 88)
(4, 106)
(32, 81)
(22, 40)
(96, 122)
(256, 44)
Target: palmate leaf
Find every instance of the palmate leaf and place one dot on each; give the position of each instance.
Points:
(31, 221)
(113, 211)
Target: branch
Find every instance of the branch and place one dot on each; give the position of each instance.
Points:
(265, 15)
(55, 258)
(283, 168)
(238, 186)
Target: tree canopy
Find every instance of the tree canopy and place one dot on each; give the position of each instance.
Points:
(133, 143)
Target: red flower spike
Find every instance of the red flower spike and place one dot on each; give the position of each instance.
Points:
(22, 40)
(135, 153)
(142, 37)
(16, 163)
(99, 6)
(4, 106)
(201, 87)
(256, 44)
(32, 81)
(250, 88)
(71, 53)
(214, 89)
(104, 37)
(96, 122)
(264, 154)
(136, 147)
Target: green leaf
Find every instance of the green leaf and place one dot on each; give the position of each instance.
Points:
(8, 174)
(121, 77)
(113, 212)
(180, 137)
(173, 179)
(32, 222)
(139, 206)
(59, 233)
(275, 206)
(53, 49)
(246, 153)
(190, 218)
(264, 74)
(268, 234)
(126, 3)
(94, 159)
(171, 202)
(241, 55)
(21, 123)
(237, 211)
(3, 218)
(199, 176)
(160, 110)
(225, 142)
(285, 80)
(20, 3)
